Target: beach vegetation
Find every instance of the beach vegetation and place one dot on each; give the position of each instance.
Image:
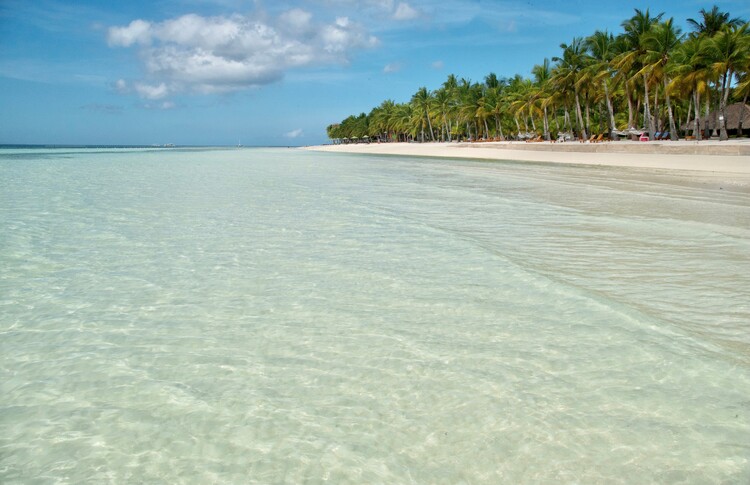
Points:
(651, 77)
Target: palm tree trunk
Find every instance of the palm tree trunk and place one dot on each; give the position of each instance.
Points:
(556, 118)
(697, 122)
(546, 125)
(584, 135)
(610, 110)
(657, 119)
(708, 112)
(672, 128)
(588, 113)
(498, 128)
(646, 111)
(630, 105)
(723, 107)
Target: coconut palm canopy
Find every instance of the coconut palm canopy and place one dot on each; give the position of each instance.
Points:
(651, 76)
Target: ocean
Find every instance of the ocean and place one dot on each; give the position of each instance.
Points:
(265, 316)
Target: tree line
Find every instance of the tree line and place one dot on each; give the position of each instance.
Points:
(651, 76)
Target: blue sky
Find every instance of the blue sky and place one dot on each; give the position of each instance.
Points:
(215, 72)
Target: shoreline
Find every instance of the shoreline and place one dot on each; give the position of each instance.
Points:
(731, 157)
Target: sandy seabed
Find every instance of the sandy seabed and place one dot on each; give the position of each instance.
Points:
(730, 157)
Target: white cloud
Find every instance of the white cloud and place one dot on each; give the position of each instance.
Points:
(151, 92)
(139, 31)
(297, 19)
(404, 11)
(294, 133)
(199, 54)
(438, 65)
(392, 67)
(121, 86)
(377, 10)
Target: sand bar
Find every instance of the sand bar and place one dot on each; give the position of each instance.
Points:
(730, 157)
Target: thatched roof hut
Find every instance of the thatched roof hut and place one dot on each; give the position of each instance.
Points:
(734, 113)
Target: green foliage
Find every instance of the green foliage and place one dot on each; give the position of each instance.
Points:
(649, 75)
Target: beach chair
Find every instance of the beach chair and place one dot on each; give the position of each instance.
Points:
(563, 137)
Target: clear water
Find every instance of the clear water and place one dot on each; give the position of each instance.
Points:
(280, 316)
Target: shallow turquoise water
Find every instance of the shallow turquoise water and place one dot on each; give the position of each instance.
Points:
(280, 316)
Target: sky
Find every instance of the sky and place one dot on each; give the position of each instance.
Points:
(261, 72)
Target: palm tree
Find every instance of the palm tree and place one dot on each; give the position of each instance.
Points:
(468, 96)
(450, 87)
(658, 44)
(443, 105)
(542, 79)
(602, 48)
(381, 119)
(568, 72)
(631, 60)
(634, 68)
(402, 118)
(728, 52)
(689, 69)
(712, 22)
(491, 81)
(423, 101)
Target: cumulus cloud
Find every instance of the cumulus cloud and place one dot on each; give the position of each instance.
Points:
(192, 53)
(296, 19)
(139, 31)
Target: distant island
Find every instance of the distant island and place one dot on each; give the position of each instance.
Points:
(650, 80)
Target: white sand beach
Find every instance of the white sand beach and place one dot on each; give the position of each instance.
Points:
(731, 157)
